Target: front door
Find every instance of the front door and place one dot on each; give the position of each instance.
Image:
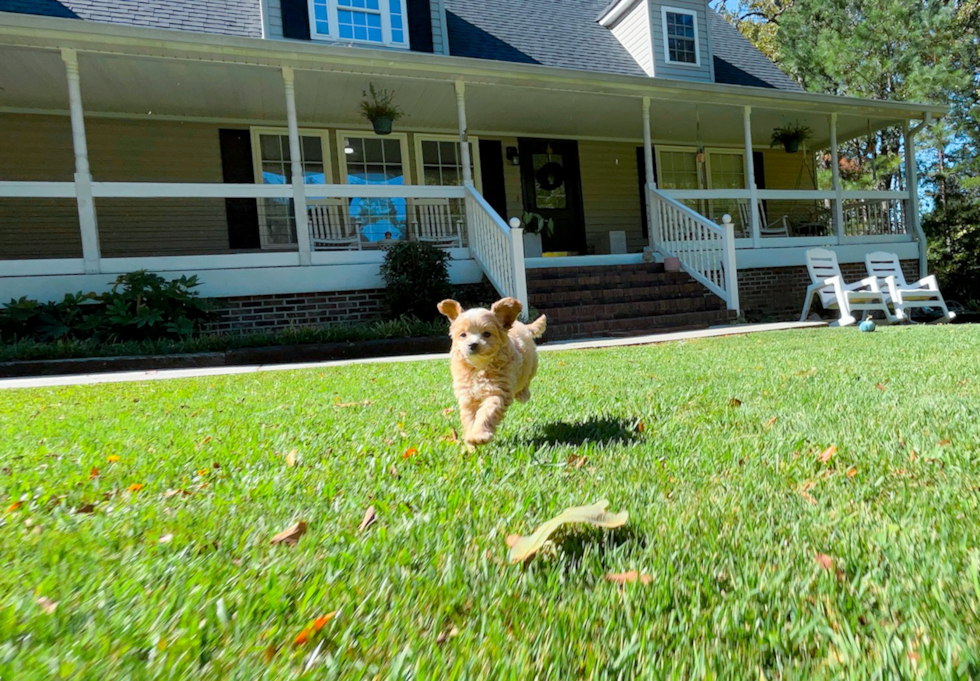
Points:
(553, 188)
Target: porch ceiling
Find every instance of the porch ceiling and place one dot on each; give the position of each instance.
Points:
(223, 90)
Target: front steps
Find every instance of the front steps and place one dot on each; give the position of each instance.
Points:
(621, 300)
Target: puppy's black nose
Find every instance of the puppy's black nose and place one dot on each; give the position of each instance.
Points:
(474, 346)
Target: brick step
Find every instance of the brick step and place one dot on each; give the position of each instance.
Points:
(547, 300)
(633, 309)
(620, 280)
(566, 272)
(635, 326)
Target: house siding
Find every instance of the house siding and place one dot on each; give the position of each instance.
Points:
(274, 13)
(610, 194)
(661, 68)
(633, 31)
(789, 171)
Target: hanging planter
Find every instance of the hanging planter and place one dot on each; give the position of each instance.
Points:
(790, 137)
(379, 108)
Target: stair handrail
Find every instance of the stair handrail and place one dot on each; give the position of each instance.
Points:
(497, 247)
(706, 250)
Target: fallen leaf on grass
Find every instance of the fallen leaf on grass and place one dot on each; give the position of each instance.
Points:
(629, 577)
(851, 472)
(512, 540)
(369, 517)
(165, 539)
(14, 506)
(824, 561)
(827, 454)
(880, 386)
(135, 487)
(445, 635)
(595, 514)
(203, 472)
(394, 471)
(943, 443)
(640, 427)
(343, 405)
(452, 438)
(203, 442)
(86, 508)
(576, 461)
(174, 492)
(809, 372)
(47, 605)
(270, 652)
(734, 402)
(914, 657)
(771, 422)
(409, 453)
(913, 456)
(805, 491)
(291, 535)
(291, 458)
(112, 458)
(448, 411)
(93, 474)
(313, 628)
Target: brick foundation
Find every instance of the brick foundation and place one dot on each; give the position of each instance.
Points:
(777, 292)
(268, 313)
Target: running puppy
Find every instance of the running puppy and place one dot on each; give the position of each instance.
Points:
(493, 360)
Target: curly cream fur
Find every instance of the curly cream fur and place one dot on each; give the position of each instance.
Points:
(493, 360)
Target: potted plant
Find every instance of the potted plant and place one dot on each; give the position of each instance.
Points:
(790, 137)
(535, 225)
(379, 108)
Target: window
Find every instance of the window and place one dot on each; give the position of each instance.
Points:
(273, 165)
(378, 22)
(681, 36)
(439, 163)
(376, 160)
(679, 168)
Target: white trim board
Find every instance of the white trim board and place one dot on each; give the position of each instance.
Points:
(748, 259)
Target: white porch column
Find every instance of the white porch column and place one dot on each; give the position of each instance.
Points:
(835, 175)
(912, 203)
(88, 225)
(653, 221)
(750, 178)
(296, 164)
(464, 137)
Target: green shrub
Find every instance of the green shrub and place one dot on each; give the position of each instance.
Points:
(140, 306)
(416, 278)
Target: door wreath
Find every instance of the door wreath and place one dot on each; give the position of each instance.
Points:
(550, 176)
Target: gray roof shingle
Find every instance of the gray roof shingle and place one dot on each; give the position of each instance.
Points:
(225, 17)
(562, 33)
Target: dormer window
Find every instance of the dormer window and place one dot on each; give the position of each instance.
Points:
(681, 36)
(375, 22)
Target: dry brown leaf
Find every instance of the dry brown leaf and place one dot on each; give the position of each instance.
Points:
(622, 578)
(369, 517)
(291, 535)
(14, 506)
(594, 514)
(291, 458)
(805, 491)
(824, 561)
(511, 540)
(445, 635)
(394, 471)
(771, 422)
(174, 492)
(576, 461)
(943, 443)
(827, 454)
(453, 437)
(448, 411)
(914, 657)
(880, 386)
(851, 472)
(913, 455)
(47, 605)
(320, 622)
(93, 474)
(734, 402)
(315, 626)
(270, 652)
(343, 405)
(135, 487)
(409, 453)
(640, 427)
(86, 508)
(204, 442)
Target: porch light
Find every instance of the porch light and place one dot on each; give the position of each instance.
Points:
(513, 157)
(348, 149)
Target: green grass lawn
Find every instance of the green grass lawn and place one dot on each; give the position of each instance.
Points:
(729, 508)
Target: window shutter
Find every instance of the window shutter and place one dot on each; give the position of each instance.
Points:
(295, 19)
(492, 173)
(419, 25)
(242, 215)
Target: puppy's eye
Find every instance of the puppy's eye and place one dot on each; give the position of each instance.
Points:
(462, 335)
(486, 334)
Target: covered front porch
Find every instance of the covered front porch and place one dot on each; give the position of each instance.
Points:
(131, 151)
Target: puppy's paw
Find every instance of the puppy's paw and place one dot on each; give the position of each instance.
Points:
(524, 395)
(478, 436)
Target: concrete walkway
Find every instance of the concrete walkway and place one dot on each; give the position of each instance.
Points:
(130, 376)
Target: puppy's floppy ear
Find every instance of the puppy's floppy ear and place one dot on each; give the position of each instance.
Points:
(450, 308)
(506, 311)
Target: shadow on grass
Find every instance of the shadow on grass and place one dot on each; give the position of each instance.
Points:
(574, 541)
(596, 430)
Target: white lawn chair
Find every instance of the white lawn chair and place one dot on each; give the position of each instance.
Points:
(434, 223)
(828, 283)
(331, 228)
(775, 228)
(901, 294)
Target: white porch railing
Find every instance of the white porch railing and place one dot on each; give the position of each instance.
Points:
(498, 248)
(706, 250)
